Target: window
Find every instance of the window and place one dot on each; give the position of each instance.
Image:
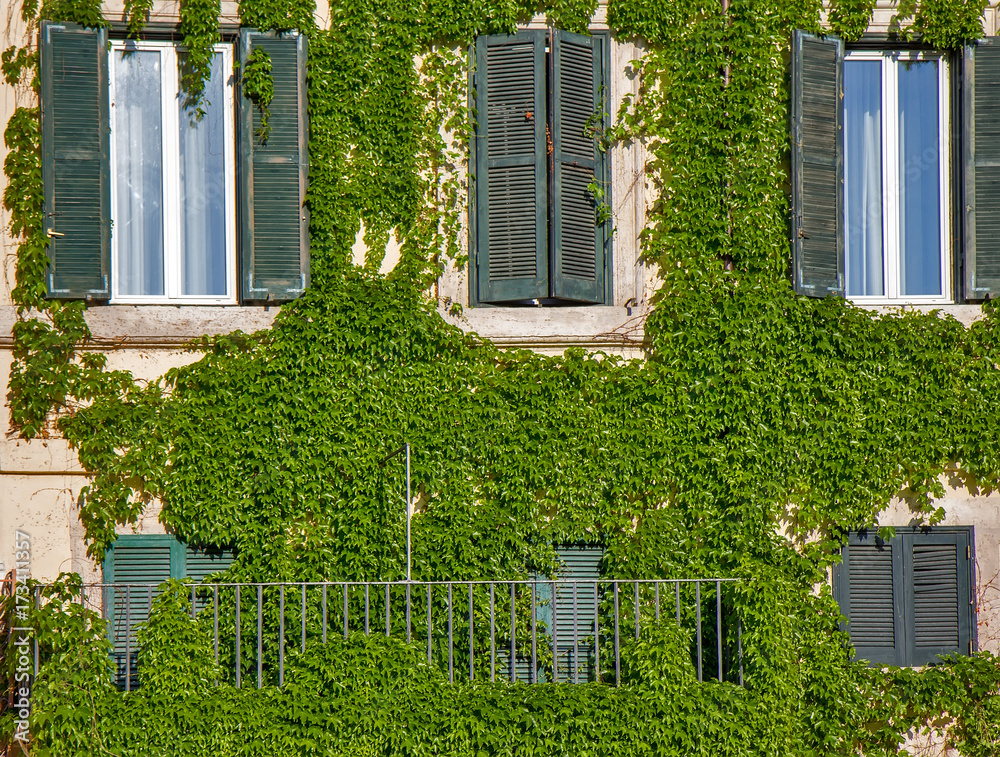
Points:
(173, 188)
(908, 599)
(896, 187)
(149, 201)
(135, 564)
(881, 212)
(541, 231)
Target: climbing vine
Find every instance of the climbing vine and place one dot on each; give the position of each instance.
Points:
(756, 409)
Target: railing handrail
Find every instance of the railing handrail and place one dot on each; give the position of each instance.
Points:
(415, 582)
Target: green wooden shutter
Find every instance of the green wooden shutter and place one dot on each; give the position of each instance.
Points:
(981, 153)
(579, 243)
(936, 573)
(75, 163)
(201, 562)
(132, 563)
(510, 182)
(579, 564)
(817, 165)
(871, 598)
(274, 250)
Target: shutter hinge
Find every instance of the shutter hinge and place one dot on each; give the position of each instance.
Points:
(968, 551)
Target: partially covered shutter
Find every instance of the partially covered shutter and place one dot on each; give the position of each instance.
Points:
(578, 240)
(202, 562)
(274, 253)
(576, 621)
(981, 153)
(135, 566)
(817, 165)
(75, 163)
(871, 599)
(511, 215)
(937, 578)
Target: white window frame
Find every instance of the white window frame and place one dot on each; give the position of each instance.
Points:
(890, 178)
(171, 103)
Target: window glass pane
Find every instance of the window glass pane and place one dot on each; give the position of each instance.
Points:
(203, 190)
(138, 146)
(919, 174)
(863, 176)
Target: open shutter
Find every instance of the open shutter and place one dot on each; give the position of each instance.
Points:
(936, 571)
(132, 563)
(201, 562)
(75, 163)
(981, 153)
(511, 217)
(274, 251)
(578, 241)
(577, 623)
(871, 597)
(817, 165)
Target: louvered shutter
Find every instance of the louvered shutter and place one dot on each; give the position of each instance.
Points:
(871, 597)
(981, 153)
(132, 564)
(936, 574)
(510, 186)
(817, 165)
(274, 252)
(578, 241)
(201, 562)
(579, 564)
(75, 162)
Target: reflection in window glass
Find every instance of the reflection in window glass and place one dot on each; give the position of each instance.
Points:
(139, 173)
(863, 176)
(203, 190)
(919, 179)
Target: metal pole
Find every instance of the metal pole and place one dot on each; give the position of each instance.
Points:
(677, 599)
(238, 636)
(303, 644)
(656, 594)
(513, 644)
(388, 628)
(324, 613)
(576, 640)
(215, 623)
(636, 601)
(555, 642)
(281, 635)
(451, 650)
(428, 623)
(534, 634)
(260, 633)
(472, 675)
(739, 645)
(697, 609)
(408, 636)
(367, 607)
(618, 665)
(597, 637)
(345, 611)
(492, 638)
(128, 639)
(409, 505)
(718, 627)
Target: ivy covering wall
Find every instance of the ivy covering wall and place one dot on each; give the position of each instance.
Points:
(756, 411)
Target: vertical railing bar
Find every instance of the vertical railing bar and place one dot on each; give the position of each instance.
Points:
(346, 620)
(492, 637)
(302, 647)
(451, 650)
(513, 644)
(718, 627)
(555, 643)
(366, 609)
(388, 628)
(215, 624)
(472, 671)
(739, 645)
(697, 609)
(324, 612)
(576, 640)
(636, 600)
(238, 630)
(597, 635)
(409, 638)
(618, 664)
(128, 637)
(428, 623)
(656, 596)
(260, 635)
(194, 601)
(534, 633)
(281, 635)
(677, 600)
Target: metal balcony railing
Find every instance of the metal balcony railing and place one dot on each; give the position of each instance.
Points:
(533, 631)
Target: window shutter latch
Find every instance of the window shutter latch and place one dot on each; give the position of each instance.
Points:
(53, 233)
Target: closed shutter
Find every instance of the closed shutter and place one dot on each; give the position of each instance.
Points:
(580, 564)
(981, 153)
(201, 562)
(937, 578)
(873, 599)
(511, 214)
(135, 565)
(274, 251)
(817, 165)
(75, 163)
(578, 241)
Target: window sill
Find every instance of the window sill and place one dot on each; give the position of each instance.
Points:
(964, 314)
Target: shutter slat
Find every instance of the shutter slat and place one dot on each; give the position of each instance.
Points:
(75, 160)
(511, 235)
(981, 146)
(579, 243)
(817, 150)
(274, 228)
